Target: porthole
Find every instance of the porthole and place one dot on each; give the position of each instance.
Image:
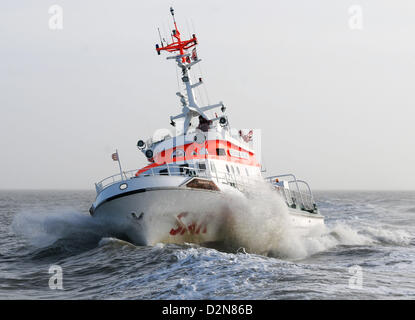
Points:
(123, 186)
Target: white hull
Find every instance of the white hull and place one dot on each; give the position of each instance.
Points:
(169, 215)
(179, 215)
(304, 220)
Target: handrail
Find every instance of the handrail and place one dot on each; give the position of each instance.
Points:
(295, 181)
(310, 203)
(182, 170)
(307, 185)
(99, 186)
(177, 170)
(231, 178)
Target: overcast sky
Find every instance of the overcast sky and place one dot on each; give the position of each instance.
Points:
(334, 98)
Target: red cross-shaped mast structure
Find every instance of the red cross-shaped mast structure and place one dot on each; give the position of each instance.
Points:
(178, 45)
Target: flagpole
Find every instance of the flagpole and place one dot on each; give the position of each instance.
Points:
(119, 163)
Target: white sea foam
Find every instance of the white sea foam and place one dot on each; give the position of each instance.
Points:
(42, 228)
(388, 236)
(110, 241)
(260, 224)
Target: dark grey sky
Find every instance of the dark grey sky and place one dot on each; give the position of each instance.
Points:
(335, 105)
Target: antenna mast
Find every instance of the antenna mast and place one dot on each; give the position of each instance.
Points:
(185, 61)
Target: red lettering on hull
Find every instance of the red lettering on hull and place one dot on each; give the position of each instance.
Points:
(192, 228)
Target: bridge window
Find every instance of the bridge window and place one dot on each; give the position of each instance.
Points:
(220, 152)
(164, 172)
(202, 166)
(178, 153)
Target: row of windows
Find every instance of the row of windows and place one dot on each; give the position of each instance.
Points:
(230, 169)
(237, 170)
(181, 153)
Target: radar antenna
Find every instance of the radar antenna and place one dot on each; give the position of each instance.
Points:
(185, 61)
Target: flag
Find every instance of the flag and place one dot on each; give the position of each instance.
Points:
(249, 136)
(115, 156)
(246, 137)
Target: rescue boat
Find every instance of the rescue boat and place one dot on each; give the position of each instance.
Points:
(183, 194)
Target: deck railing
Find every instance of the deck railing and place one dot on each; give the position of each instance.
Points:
(294, 196)
(126, 175)
(219, 176)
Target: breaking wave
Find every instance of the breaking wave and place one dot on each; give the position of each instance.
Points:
(51, 227)
(259, 224)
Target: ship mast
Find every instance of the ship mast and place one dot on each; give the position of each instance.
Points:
(185, 61)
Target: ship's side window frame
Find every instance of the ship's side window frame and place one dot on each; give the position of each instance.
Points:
(178, 153)
(163, 171)
(220, 152)
(201, 166)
